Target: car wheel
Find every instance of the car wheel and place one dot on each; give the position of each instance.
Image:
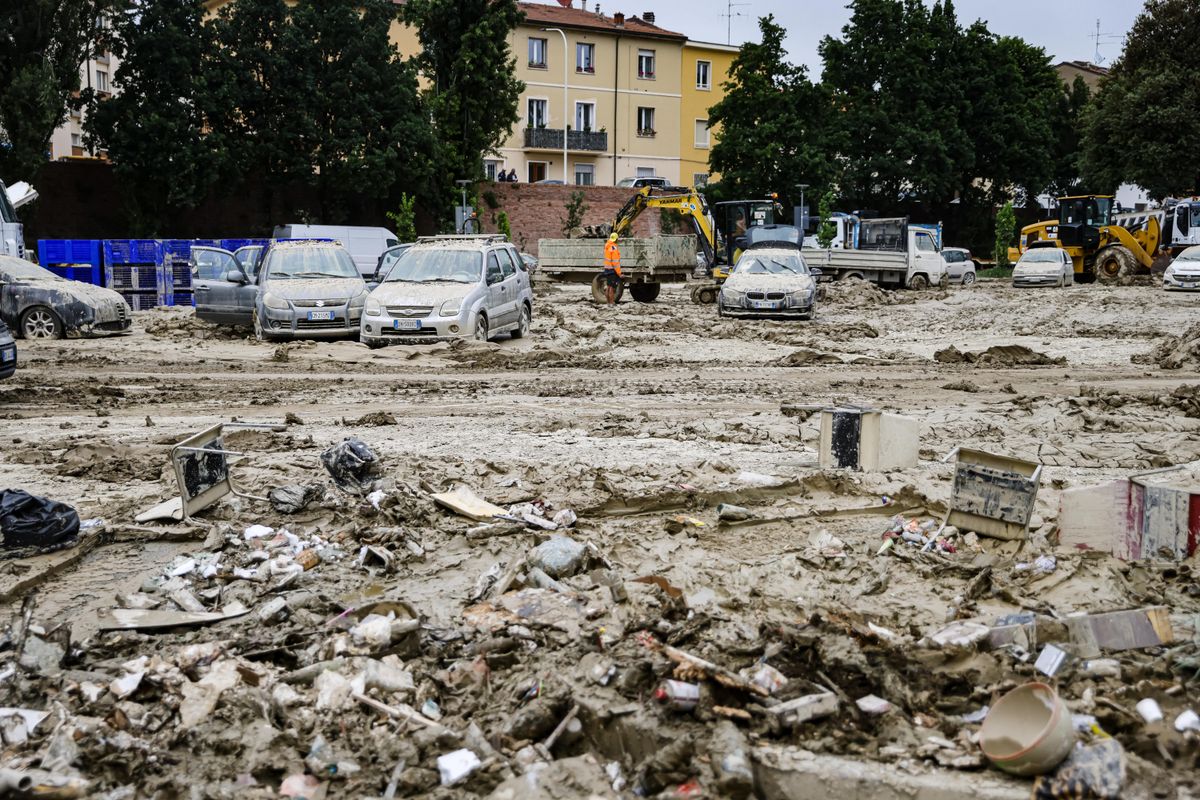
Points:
(919, 282)
(968, 278)
(523, 323)
(481, 328)
(259, 333)
(40, 322)
(375, 344)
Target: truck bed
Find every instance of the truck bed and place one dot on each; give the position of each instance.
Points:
(880, 266)
(657, 259)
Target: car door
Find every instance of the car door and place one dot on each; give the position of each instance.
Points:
(954, 264)
(926, 256)
(496, 301)
(215, 296)
(512, 284)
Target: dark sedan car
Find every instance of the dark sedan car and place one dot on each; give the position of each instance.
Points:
(38, 304)
(8, 352)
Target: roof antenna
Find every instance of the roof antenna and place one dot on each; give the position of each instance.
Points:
(729, 15)
(1099, 37)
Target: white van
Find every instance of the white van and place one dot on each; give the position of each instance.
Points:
(365, 244)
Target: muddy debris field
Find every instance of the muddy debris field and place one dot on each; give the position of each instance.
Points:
(603, 561)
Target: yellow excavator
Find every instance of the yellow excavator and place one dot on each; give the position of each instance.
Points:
(721, 229)
(1104, 246)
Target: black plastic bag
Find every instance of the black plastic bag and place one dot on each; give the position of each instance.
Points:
(352, 465)
(293, 498)
(30, 521)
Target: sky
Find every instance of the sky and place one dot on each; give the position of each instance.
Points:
(1065, 28)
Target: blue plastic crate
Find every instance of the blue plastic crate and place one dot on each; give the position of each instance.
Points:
(177, 249)
(233, 245)
(141, 301)
(206, 242)
(132, 251)
(181, 275)
(180, 298)
(87, 273)
(69, 251)
(131, 277)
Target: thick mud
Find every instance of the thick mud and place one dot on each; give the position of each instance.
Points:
(641, 419)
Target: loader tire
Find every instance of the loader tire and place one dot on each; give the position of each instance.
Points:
(707, 295)
(645, 292)
(1115, 265)
(599, 291)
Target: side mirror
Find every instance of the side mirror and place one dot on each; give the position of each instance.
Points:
(494, 276)
(815, 272)
(235, 276)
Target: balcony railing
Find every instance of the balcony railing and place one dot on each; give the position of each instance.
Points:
(552, 139)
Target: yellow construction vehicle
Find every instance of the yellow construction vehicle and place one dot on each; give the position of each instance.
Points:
(721, 231)
(1103, 246)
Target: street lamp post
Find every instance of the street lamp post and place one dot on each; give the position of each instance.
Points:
(566, 104)
(803, 208)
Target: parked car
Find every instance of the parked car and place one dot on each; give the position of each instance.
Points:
(365, 244)
(38, 304)
(770, 279)
(1044, 266)
(644, 180)
(1184, 272)
(306, 289)
(448, 287)
(8, 352)
(548, 182)
(960, 267)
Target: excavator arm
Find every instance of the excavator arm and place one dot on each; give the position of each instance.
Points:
(690, 205)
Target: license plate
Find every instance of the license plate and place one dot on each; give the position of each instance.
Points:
(406, 324)
(1188, 284)
(7, 356)
(317, 316)
(766, 304)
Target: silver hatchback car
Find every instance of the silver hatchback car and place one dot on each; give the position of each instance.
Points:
(447, 287)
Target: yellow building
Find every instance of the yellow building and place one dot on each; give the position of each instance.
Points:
(706, 67)
(620, 106)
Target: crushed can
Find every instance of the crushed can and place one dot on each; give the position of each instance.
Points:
(680, 695)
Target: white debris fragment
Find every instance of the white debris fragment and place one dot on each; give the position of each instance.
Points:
(457, 766)
(258, 532)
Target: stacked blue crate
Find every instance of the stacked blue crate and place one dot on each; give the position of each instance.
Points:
(134, 268)
(176, 286)
(73, 259)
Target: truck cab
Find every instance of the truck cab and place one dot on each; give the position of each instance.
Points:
(12, 232)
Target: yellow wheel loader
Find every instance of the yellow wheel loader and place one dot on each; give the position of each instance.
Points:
(1108, 247)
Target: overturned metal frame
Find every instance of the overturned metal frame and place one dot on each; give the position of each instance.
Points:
(202, 468)
(992, 495)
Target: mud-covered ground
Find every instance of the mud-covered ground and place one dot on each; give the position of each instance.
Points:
(641, 419)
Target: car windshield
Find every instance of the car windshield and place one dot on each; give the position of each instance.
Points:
(310, 262)
(1043, 255)
(771, 264)
(17, 270)
(1191, 254)
(438, 266)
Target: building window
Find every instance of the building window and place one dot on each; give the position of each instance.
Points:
(537, 53)
(76, 140)
(645, 63)
(699, 179)
(585, 175)
(490, 168)
(536, 115)
(585, 116)
(703, 74)
(585, 58)
(101, 81)
(645, 172)
(701, 133)
(645, 121)
(536, 171)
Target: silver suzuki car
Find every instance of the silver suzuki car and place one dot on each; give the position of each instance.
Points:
(446, 287)
(308, 289)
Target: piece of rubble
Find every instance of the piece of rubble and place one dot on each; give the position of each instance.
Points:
(873, 706)
(200, 698)
(727, 512)
(803, 709)
(565, 518)
(461, 500)
(558, 556)
(293, 498)
(457, 766)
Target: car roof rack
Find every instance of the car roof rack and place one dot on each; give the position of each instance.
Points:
(481, 238)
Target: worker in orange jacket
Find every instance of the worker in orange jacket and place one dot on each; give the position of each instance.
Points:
(612, 269)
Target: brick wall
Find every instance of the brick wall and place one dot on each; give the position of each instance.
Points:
(537, 211)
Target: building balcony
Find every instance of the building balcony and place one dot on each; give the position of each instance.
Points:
(552, 139)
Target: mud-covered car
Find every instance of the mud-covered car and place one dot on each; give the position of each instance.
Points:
(1044, 266)
(37, 304)
(769, 280)
(447, 287)
(308, 289)
(1183, 274)
(8, 352)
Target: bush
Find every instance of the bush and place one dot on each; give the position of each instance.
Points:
(405, 219)
(1006, 228)
(503, 226)
(828, 228)
(576, 208)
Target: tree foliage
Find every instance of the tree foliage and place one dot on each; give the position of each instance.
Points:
(771, 122)
(1006, 229)
(1144, 122)
(828, 228)
(575, 209)
(42, 45)
(153, 127)
(473, 92)
(404, 218)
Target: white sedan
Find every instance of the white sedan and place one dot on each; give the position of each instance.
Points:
(1184, 272)
(1044, 266)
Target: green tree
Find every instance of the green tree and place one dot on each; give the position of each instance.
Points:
(154, 126)
(1143, 123)
(828, 229)
(503, 225)
(1068, 151)
(771, 121)
(405, 218)
(472, 96)
(42, 44)
(575, 209)
(1006, 229)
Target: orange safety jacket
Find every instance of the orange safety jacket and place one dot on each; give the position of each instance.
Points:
(612, 258)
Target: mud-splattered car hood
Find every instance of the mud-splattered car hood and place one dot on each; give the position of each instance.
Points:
(753, 282)
(316, 288)
(400, 293)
